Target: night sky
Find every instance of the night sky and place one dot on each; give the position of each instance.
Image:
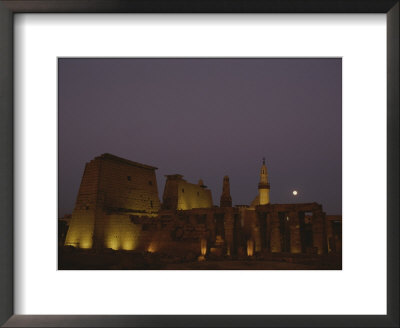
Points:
(206, 118)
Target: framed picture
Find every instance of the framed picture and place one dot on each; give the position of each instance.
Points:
(108, 97)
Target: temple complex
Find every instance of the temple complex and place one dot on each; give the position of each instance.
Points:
(118, 208)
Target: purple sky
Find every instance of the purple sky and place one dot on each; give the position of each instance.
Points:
(206, 118)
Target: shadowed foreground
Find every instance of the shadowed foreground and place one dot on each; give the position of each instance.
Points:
(120, 260)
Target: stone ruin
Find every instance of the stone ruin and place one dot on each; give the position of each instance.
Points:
(118, 208)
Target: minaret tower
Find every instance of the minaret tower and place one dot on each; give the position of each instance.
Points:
(226, 199)
(263, 185)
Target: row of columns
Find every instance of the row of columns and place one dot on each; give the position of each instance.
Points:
(273, 234)
(318, 230)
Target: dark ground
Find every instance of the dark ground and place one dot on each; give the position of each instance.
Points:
(71, 259)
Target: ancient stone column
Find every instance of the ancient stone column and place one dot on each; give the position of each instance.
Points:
(228, 226)
(330, 237)
(257, 239)
(252, 221)
(318, 231)
(203, 250)
(250, 247)
(275, 233)
(295, 238)
(268, 232)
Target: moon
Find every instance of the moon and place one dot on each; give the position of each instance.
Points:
(294, 192)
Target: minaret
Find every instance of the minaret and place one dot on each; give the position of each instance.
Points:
(226, 199)
(263, 185)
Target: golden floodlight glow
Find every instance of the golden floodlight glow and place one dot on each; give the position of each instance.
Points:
(250, 248)
(86, 244)
(127, 244)
(152, 247)
(203, 246)
(295, 192)
(113, 242)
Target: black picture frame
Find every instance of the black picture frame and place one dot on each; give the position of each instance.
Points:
(10, 7)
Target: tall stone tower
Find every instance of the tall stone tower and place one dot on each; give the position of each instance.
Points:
(263, 185)
(112, 189)
(226, 199)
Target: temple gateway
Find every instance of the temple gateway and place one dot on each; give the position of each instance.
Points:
(118, 207)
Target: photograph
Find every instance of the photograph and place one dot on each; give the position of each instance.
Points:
(199, 163)
(189, 164)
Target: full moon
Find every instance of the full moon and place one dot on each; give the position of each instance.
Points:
(294, 192)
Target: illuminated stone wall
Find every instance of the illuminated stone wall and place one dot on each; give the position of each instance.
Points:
(129, 186)
(131, 233)
(81, 228)
(182, 195)
(120, 233)
(111, 185)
